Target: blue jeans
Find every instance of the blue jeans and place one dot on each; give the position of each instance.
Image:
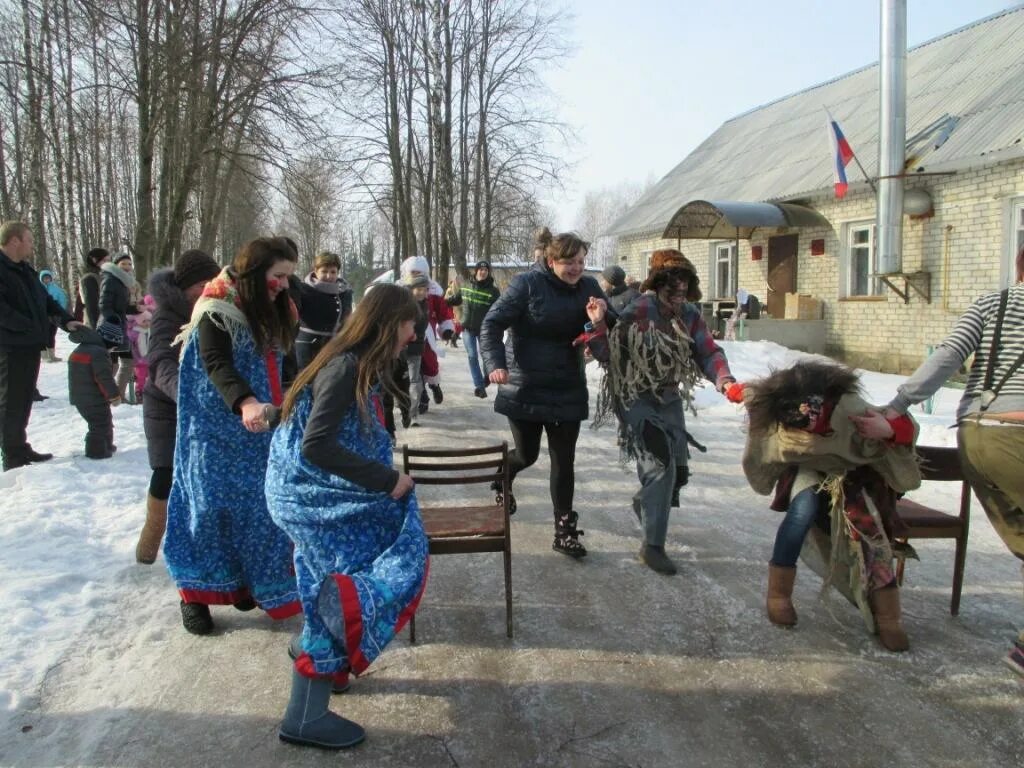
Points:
(802, 512)
(473, 353)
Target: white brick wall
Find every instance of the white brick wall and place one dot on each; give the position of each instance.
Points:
(886, 334)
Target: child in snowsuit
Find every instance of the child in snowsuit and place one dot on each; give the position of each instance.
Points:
(93, 390)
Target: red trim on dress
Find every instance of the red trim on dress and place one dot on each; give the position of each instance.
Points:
(353, 621)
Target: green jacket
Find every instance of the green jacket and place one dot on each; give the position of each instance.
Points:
(475, 299)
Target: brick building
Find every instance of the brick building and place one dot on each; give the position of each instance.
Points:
(965, 152)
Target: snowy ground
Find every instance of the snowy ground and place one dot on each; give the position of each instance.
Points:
(611, 664)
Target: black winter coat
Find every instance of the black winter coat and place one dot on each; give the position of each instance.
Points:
(476, 299)
(160, 398)
(27, 311)
(89, 291)
(115, 299)
(546, 372)
(322, 311)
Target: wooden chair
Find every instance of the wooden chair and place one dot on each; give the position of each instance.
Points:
(916, 521)
(454, 530)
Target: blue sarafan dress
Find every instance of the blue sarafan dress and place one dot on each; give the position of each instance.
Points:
(361, 557)
(221, 545)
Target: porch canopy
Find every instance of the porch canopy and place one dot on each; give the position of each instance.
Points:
(734, 219)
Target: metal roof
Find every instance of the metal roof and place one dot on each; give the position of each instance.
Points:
(971, 79)
(714, 219)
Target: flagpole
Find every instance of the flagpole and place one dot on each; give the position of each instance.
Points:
(866, 177)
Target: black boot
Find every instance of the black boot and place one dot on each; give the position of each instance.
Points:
(424, 402)
(35, 457)
(247, 603)
(310, 723)
(438, 394)
(567, 535)
(498, 497)
(195, 617)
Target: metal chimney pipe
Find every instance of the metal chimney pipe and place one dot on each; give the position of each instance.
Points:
(892, 134)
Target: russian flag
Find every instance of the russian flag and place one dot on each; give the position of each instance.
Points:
(841, 155)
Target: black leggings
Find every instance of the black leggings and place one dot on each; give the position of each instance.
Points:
(160, 483)
(562, 437)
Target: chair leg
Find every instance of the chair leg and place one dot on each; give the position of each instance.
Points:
(958, 575)
(412, 630)
(508, 593)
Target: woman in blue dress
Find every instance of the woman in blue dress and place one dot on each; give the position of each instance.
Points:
(360, 549)
(221, 546)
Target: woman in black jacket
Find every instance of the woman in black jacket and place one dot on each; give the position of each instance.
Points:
(325, 304)
(175, 292)
(120, 295)
(89, 287)
(543, 383)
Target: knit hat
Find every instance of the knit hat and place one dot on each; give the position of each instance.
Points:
(614, 274)
(483, 264)
(669, 258)
(193, 267)
(415, 264)
(417, 281)
(121, 257)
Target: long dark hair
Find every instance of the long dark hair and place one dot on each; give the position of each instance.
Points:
(271, 322)
(372, 332)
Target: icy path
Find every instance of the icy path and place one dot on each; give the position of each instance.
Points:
(611, 663)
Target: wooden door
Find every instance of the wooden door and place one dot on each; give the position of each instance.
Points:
(781, 273)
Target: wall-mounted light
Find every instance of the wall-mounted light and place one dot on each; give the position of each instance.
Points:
(917, 202)
(756, 252)
(818, 247)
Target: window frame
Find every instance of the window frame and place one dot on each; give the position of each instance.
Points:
(732, 258)
(1014, 239)
(847, 276)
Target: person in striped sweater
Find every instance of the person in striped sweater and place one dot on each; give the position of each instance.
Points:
(990, 417)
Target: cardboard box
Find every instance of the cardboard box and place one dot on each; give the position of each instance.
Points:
(802, 306)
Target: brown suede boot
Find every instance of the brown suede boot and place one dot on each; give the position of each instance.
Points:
(885, 604)
(152, 531)
(780, 593)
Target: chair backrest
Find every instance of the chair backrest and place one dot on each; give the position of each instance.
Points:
(940, 464)
(488, 464)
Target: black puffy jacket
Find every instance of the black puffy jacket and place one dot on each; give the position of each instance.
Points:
(26, 309)
(160, 398)
(546, 372)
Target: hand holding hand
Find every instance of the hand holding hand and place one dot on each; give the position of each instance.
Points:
(402, 487)
(873, 425)
(733, 392)
(499, 376)
(254, 415)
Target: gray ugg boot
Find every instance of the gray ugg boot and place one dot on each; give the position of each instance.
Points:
(310, 723)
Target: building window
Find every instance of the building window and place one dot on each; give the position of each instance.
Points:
(1016, 236)
(723, 267)
(859, 260)
(644, 266)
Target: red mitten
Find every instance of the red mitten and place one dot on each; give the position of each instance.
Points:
(734, 392)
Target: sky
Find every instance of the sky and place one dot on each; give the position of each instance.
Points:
(650, 79)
